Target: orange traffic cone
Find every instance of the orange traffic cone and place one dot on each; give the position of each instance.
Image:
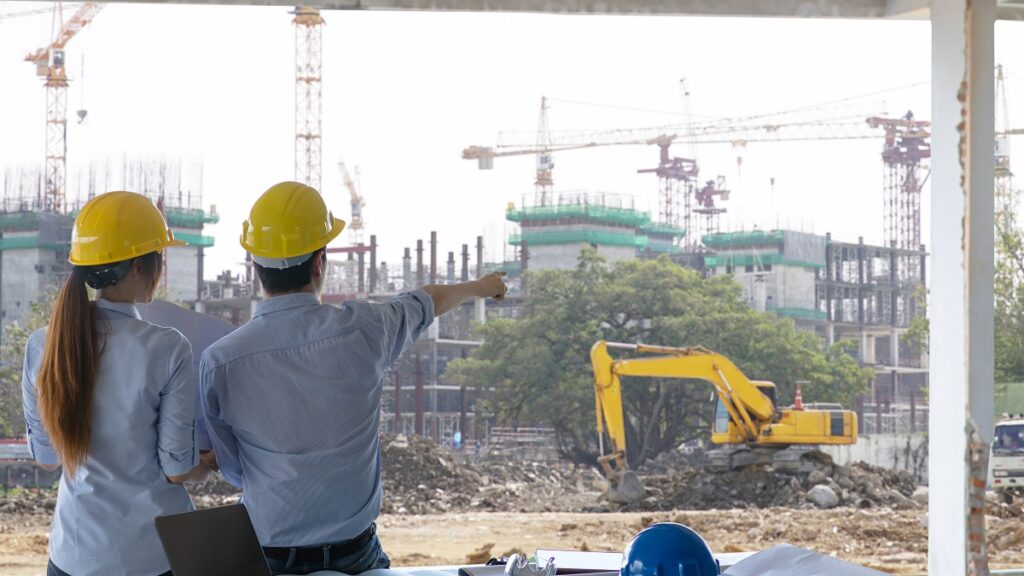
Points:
(798, 403)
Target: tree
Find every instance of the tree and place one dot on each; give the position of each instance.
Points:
(1009, 299)
(539, 364)
(12, 354)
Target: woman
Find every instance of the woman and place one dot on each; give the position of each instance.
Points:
(110, 397)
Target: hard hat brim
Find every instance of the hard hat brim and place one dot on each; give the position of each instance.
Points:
(102, 261)
(338, 226)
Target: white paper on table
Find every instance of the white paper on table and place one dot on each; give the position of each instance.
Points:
(579, 560)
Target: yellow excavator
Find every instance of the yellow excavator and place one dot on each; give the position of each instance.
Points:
(748, 425)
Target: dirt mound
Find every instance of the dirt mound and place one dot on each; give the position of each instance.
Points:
(22, 508)
(420, 477)
(676, 481)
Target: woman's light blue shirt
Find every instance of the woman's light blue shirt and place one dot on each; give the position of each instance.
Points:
(143, 428)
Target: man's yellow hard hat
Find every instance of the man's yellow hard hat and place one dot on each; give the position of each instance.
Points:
(118, 226)
(287, 224)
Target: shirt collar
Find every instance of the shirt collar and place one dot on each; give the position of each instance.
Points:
(285, 302)
(126, 308)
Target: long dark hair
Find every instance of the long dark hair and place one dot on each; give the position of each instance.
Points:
(67, 376)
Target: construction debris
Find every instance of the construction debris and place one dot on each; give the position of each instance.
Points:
(422, 478)
(678, 482)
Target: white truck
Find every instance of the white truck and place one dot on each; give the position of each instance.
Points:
(1007, 462)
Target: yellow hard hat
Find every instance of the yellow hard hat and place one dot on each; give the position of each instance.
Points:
(288, 223)
(118, 226)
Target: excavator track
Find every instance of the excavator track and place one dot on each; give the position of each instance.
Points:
(791, 459)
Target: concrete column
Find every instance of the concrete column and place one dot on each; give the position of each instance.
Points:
(200, 261)
(418, 421)
(479, 256)
(465, 262)
(373, 263)
(361, 267)
(962, 208)
(830, 334)
(419, 263)
(451, 268)
(406, 271)
(398, 398)
(480, 310)
(433, 257)
(894, 347)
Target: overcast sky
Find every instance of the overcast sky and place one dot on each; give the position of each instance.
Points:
(403, 93)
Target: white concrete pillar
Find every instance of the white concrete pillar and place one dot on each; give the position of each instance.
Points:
(830, 334)
(894, 347)
(961, 266)
(480, 310)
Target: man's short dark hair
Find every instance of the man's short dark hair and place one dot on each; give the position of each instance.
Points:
(278, 280)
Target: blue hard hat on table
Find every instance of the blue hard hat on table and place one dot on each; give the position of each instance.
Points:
(668, 549)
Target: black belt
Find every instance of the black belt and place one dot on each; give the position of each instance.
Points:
(306, 554)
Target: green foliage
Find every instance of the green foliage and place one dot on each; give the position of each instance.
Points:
(12, 353)
(1009, 300)
(540, 369)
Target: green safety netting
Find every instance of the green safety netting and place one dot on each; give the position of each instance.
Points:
(25, 242)
(189, 218)
(19, 221)
(555, 237)
(663, 229)
(755, 260)
(751, 238)
(598, 213)
(195, 239)
(801, 313)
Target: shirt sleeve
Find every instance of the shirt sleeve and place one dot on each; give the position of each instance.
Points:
(403, 320)
(221, 435)
(176, 443)
(39, 444)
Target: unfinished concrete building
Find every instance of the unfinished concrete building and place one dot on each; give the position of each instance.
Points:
(33, 259)
(553, 234)
(37, 240)
(842, 292)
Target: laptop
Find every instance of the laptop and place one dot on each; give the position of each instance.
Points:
(213, 542)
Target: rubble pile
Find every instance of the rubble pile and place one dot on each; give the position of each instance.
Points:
(824, 485)
(20, 508)
(422, 478)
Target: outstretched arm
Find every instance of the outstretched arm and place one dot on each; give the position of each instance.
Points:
(448, 297)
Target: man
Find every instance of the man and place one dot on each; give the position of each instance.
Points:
(292, 398)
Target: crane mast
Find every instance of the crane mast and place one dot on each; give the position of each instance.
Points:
(49, 63)
(355, 202)
(308, 31)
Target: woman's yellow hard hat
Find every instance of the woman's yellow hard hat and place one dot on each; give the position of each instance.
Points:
(288, 223)
(118, 226)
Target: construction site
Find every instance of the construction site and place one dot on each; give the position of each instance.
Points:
(495, 486)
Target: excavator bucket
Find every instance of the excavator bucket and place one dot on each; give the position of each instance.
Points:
(625, 488)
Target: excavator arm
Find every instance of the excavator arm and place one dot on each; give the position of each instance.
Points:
(745, 403)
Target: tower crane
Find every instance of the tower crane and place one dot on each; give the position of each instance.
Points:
(356, 202)
(678, 178)
(49, 62)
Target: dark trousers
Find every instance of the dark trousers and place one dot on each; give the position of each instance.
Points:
(52, 570)
(350, 557)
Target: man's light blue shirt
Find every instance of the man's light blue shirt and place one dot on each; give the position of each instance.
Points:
(292, 403)
(142, 429)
